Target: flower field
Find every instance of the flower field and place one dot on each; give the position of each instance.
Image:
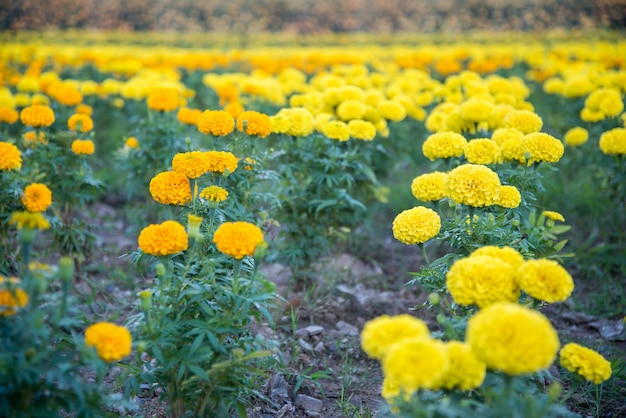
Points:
(175, 220)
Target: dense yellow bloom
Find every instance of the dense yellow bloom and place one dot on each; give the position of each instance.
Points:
(80, 122)
(613, 141)
(37, 197)
(280, 123)
(417, 363)
(429, 186)
(8, 115)
(390, 389)
(192, 164)
(380, 333)
(163, 99)
(506, 254)
(132, 142)
(482, 280)
(188, 116)
(510, 197)
(545, 280)
(12, 297)
(608, 102)
(165, 238)
(444, 145)
(112, 342)
(221, 161)
(255, 123)
(542, 147)
(362, 130)
(576, 136)
(83, 147)
(555, 216)
(31, 139)
(524, 121)
(10, 157)
(301, 121)
(65, 93)
(416, 225)
(465, 371)
(588, 115)
(473, 185)
(336, 130)
(350, 109)
(170, 188)
(234, 108)
(577, 86)
(214, 194)
(512, 338)
(553, 85)
(216, 123)
(482, 151)
(391, 110)
(29, 220)
(83, 109)
(586, 362)
(476, 110)
(37, 116)
(237, 239)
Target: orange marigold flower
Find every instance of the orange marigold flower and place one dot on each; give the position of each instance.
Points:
(37, 116)
(216, 123)
(65, 93)
(84, 109)
(238, 239)
(188, 116)
(37, 197)
(31, 139)
(112, 342)
(170, 188)
(10, 157)
(8, 115)
(11, 296)
(234, 108)
(254, 123)
(83, 147)
(222, 161)
(80, 122)
(192, 164)
(163, 99)
(166, 238)
(132, 142)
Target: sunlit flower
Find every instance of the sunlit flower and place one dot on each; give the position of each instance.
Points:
(524, 121)
(37, 197)
(506, 254)
(112, 342)
(542, 147)
(510, 197)
(132, 142)
(216, 123)
(166, 238)
(234, 108)
(238, 239)
(163, 99)
(65, 93)
(83, 109)
(444, 145)
(473, 185)
(255, 123)
(37, 116)
(391, 110)
(545, 279)
(350, 109)
(476, 110)
(10, 157)
(80, 122)
(301, 121)
(362, 130)
(192, 164)
(482, 151)
(336, 130)
(380, 333)
(170, 188)
(83, 147)
(416, 225)
(586, 362)
(576, 136)
(221, 161)
(188, 116)
(430, 186)
(512, 338)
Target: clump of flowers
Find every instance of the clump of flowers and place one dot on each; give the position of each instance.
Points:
(37, 116)
(545, 279)
(254, 123)
(216, 123)
(586, 362)
(80, 122)
(613, 141)
(512, 338)
(11, 299)
(83, 147)
(170, 188)
(416, 225)
(112, 342)
(10, 157)
(238, 239)
(379, 334)
(166, 238)
(37, 197)
(430, 186)
(444, 145)
(542, 147)
(473, 185)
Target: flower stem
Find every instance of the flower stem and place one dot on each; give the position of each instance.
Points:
(236, 273)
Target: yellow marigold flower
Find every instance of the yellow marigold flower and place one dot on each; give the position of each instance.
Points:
(37, 197)
(22, 100)
(416, 225)
(192, 164)
(473, 185)
(586, 362)
(214, 194)
(132, 142)
(350, 109)
(166, 238)
(380, 333)
(542, 147)
(336, 130)
(444, 145)
(577, 86)
(112, 342)
(301, 121)
(83, 147)
(28, 84)
(576, 136)
(613, 141)
(424, 98)
(606, 101)
(588, 115)
(510, 197)
(553, 85)
(476, 110)
(163, 99)
(12, 297)
(430, 186)
(545, 280)
(391, 110)
(555, 216)
(188, 116)
(8, 115)
(216, 123)
(390, 389)
(280, 123)
(362, 130)
(29, 220)
(482, 151)
(170, 188)
(524, 121)
(501, 135)
(417, 363)
(237, 239)
(255, 123)
(234, 108)
(483, 280)
(83, 109)
(512, 338)
(222, 161)
(10, 157)
(465, 370)
(506, 254)
(31, 139)
(80, 122)
(37, 116)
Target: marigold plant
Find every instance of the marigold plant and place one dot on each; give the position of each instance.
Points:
(80, 122)
(430, 186)
(444, 145)
(254, 123)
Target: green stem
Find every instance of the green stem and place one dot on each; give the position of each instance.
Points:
(423, 250)
(236, 273)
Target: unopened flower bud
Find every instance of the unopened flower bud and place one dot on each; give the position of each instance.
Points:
(141, 346)
(260, 249)
(160, 270)
(434, 299)
(146, 299)
(193, 226)
(66, 269)
(554, 391)
(441, 318)
(27, 235)
(515, 222)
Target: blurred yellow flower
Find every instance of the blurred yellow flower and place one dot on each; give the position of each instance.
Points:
(112, 342)
(586, 362)
(10, 157)
(83, 147)
(380, 333)
(545, 280)
(37, 197)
